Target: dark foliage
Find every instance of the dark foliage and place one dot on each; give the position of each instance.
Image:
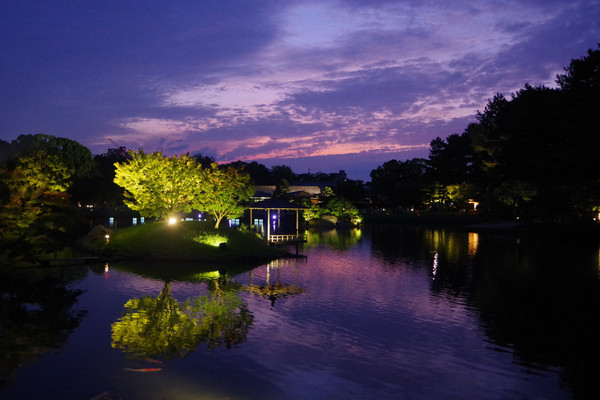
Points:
(534, 155)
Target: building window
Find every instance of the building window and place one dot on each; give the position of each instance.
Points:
(259, 226)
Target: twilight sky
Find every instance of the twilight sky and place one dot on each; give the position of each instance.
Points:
(317, 85)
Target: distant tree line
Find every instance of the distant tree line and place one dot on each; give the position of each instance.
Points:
(535, 155)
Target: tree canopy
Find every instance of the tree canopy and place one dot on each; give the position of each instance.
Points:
(223, 192)
(534, 154)
(158, 186)
(37, 174)
(76, 157)
(398, 183)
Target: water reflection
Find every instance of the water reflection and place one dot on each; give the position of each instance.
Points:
(536, 297)
(501, 319)
(165, 328)
(473, 243)
(277, 290)
(183, 272)
(337, 239)
(36, 315)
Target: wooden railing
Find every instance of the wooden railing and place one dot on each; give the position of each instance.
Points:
(287, 238)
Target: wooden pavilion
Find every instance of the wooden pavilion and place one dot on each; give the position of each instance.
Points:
(277, 205)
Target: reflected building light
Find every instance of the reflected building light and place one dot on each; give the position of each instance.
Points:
(106, 271)
(473, 243)
(435, 238)
(435, 265)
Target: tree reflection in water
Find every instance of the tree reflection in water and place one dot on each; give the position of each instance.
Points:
(163, 327)
(340, 239)
(274, 291)
(36, 314)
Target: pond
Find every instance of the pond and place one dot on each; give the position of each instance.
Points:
(385, 312)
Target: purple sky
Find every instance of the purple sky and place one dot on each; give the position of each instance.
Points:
(316, 85)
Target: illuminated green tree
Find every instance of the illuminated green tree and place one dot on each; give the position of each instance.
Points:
(42, 171)
(161, 326)
(156, 185)
(460, 194)
(312, 211)
(343, 209)
(436, 195)
(332, 205)
(223, 192)
(33, 202)
(73, 155)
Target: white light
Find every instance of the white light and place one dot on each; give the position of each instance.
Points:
(172, 220)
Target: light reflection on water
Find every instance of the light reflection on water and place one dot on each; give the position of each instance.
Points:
(360, 317)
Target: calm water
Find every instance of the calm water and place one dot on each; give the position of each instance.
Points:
(381, 313)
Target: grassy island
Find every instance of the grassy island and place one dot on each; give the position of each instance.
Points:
(189, 240)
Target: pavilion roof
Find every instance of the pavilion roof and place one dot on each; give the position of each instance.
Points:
(275, 204)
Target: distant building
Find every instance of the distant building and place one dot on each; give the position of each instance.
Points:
(265, 192)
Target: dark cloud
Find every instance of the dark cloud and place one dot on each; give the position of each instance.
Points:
(548, 47)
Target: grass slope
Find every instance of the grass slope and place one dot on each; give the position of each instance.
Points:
(188, 241)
